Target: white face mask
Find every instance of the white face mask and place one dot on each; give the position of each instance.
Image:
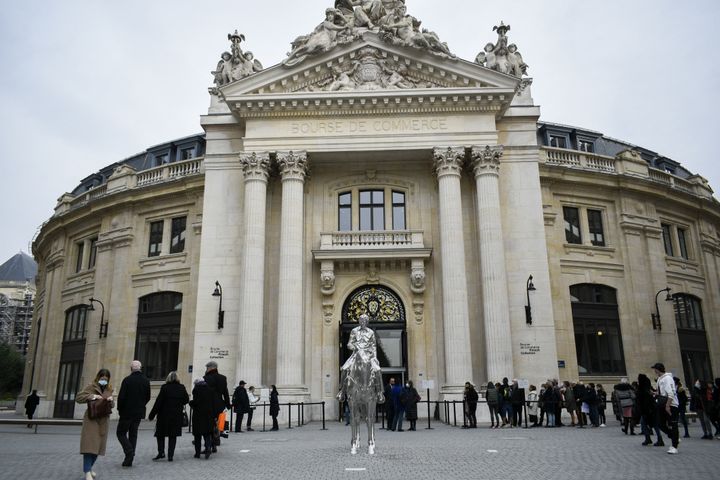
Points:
(407, 385)
(697, 384)
(103, 382)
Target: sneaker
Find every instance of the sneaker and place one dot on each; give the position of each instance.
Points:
(672, 450)
(603, 425)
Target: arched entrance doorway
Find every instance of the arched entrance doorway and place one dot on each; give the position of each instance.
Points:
(387, 319)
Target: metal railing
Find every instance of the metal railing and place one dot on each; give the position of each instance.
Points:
(299, 419)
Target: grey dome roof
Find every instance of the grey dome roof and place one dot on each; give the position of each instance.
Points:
(19, 268)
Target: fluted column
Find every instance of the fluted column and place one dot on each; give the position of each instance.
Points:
(496, 309)
(458, 368)
(255, 167)
(290, 337)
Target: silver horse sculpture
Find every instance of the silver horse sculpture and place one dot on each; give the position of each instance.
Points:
(361, 383)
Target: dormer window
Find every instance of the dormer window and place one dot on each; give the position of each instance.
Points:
(557, 141)
(586, 146)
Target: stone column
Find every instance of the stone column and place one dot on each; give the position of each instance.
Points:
(290, 336)
(496, 306)
(255, 167)
(458, 367)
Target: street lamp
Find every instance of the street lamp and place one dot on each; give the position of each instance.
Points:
(103, 323)
(221, 312)
(656, 316)
(529, 287)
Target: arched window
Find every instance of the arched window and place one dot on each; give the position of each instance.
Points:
(692, 337)
(158, 333)
(72, 355)
(598, 340)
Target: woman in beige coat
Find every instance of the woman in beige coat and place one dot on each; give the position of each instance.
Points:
(93, 438)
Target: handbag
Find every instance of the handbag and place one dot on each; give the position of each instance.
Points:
(185, 419)
(661, 401)
(99, 408)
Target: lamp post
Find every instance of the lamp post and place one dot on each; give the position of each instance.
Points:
(656, 316)
(221, 312)
(103, 323)
(529, 287)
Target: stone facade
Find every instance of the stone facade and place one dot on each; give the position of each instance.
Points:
(290, 161)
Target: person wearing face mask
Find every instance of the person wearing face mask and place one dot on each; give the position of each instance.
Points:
(93, 437)
(411, 400)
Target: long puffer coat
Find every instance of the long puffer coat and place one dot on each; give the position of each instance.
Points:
(168, 408)
(411, 400)
(203, 404)
(93, 437)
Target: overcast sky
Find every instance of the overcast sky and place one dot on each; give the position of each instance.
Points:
(87, 83)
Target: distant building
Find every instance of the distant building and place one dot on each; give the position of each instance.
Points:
(17, 293)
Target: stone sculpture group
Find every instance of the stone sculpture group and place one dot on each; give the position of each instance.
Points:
(235, 64)
(502, 57)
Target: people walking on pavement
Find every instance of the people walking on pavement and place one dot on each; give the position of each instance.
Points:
(470, 399)
(203, 418)
(493, 399)
(218, 384)
(682, 406)
(647, 411)
(389, 405)
(412, 397)
(625, 396)
(274, 407)
(667, 406)
(94, 433)
(240, 404)
(252, 399)
(169, 407)
(133, 396)
(701, 403)
(31, 403)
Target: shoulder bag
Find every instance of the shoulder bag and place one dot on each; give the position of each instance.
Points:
(99, 408)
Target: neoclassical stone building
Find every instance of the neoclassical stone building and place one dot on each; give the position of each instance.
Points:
(374, 172)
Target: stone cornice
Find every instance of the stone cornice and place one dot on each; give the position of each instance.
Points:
(255, 165)
(448, 160)
(292, 165)
(486, 160)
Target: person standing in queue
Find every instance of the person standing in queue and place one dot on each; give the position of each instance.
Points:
(218, 384)
(134, 395)
(93, 437)
(241, 405)
(274, 407)
(169, 407)
(203, 421)
(389, 405)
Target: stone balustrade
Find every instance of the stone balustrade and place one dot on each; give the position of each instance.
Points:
(624, 164)
(371, 239)
(125, 178)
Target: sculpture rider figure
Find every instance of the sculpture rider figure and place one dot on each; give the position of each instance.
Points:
(364, 346)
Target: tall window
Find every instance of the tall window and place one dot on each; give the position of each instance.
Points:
(158, 333)
(682, 243)
(372, 210)
(688, 313)
(93, 252)
(398, 210)
(156, 235)
(692, 338)
(667, 239)
(598, 339)
(80, 254)
(177, 238)
(595, 224)
(75, 324)
(572, 225)
(345, 212)
(557, 141)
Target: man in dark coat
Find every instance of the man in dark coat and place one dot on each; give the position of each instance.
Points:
(134, 395)
(218, 384)
(389, 406)
(31, 403)
(517, 399)
(203, 409)
(241, 405)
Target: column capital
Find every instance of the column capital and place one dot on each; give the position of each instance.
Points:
(486, 160)
(448, 160)
(293, 165)
(255, 165)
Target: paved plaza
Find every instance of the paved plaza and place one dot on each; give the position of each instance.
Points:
(310, 453)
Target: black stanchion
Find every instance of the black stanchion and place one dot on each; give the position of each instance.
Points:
(289, 415)
(428, 403)
(264, 404)
(454, 414)
(303, 413)
(323, 411)
(298, 415)
(525, 413)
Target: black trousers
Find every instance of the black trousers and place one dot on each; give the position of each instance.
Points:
(249, 420)
(238, 421)
(127, 432)
(171, 445)
(198, 440)
(669, 424)
(275, 423)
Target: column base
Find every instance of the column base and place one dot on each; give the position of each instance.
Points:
(293, 393)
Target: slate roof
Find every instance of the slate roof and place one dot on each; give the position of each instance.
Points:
(19, 268)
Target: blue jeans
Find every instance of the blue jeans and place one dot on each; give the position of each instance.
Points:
(506, 412)
(398, 419)
(88, 461)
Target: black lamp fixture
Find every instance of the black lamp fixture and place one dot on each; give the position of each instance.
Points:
(656, 316)
(103, 323)
(221, 312)
(529, 287)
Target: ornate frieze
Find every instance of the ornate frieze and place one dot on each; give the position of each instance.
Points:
(293, 165)
(502, 57)
(448, 160)
(255, 165)
(486, 160)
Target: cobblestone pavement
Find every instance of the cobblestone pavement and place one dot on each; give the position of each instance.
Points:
(310, 453)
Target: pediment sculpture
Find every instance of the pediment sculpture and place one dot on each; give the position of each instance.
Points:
(502, 57)
(235, 64)
(349, 19)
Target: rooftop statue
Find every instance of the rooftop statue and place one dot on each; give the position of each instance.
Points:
(349, 19)
(235, 64)
(502, 57)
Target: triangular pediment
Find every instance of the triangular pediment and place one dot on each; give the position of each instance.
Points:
(369, 64)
